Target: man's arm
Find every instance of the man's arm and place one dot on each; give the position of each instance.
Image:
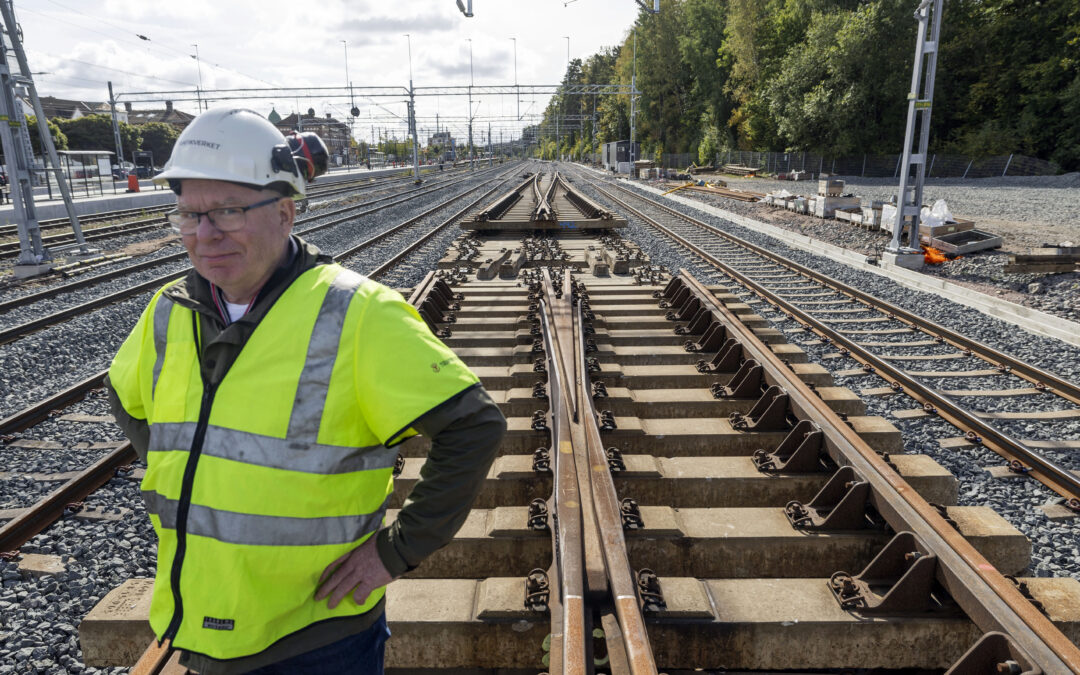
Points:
(136, 429)
(465, 433)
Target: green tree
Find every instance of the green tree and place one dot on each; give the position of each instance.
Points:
(835, 91)
(95, 132)
(60, 141)
(159, 138)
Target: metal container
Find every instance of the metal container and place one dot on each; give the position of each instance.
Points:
(831, 187)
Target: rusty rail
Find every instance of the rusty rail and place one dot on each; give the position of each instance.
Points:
(588, 207)
(500, 206)
(569, 629)
(621, 576)
(1042, 468)
(35, 519)
(991, 601)
(544, 211)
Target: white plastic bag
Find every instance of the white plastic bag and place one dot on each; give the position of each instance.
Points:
(938, 215)
(888, 216)
(942, 209)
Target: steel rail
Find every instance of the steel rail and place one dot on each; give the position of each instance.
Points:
(990, 600)
(39, 411)
(11, 250)
(569, 629)
(16, 332)
(134, 227)
(1060, 386)
(1050, 473)
(54, 291)
(608, 514)
(504, 203)
(155, 660)
(35, 519)
(588, 207)
(542, 211)
(60, 223)
(400, 255)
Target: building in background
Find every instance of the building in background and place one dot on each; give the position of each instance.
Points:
(333, 132)
(167, 115)
(445, 143)
(68, 109)
(615, 156)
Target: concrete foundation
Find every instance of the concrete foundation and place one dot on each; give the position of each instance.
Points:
(910, 261)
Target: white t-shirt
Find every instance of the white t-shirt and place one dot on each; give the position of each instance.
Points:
(235, 311)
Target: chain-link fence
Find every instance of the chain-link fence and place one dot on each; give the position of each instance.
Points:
(886, 166)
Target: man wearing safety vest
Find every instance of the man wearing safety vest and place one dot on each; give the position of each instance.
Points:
(266, 391)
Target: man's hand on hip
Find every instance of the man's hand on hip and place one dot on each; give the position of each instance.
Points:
(359, 571)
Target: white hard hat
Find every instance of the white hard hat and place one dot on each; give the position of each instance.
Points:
(241, 146)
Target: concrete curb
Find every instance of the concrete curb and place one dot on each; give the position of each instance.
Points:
(1031, 320)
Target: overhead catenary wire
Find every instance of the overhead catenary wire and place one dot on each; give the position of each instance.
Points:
(140, 37)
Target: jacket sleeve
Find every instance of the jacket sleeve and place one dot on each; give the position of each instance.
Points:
(136, 429)
(124, 383)
(465, 433)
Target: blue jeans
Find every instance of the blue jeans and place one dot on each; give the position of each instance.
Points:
(360, 654)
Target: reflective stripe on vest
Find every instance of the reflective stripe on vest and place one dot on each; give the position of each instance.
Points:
(322, 352)
(275, 453)
(249, 529)
(161, 333)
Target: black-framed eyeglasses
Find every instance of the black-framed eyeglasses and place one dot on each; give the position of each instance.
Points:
(225, 219)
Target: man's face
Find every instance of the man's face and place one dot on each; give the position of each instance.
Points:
(239, 262)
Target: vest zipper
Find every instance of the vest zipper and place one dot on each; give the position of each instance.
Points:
(182, 509)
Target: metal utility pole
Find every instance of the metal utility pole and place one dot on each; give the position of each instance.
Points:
(116, 129)
(516, 88)
(412, 115)
(198, 63)
(352, 106)
(562, 101)
(633, 102)
(31, 251)
(909, 197)
(490, 156)
(470, 102)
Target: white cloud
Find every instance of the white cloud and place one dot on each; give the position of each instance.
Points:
(249, 43)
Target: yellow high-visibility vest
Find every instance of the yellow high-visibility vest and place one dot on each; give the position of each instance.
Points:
(256, 486)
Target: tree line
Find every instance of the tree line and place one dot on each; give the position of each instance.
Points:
(830, 77)
(95, 132)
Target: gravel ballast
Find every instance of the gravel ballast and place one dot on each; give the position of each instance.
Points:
(1045, 210)
(1053, 542)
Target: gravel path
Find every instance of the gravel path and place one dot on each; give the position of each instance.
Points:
(1027, 210)
(1045, 210)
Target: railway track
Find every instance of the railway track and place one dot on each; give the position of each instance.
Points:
(156, 220)
(646, 514)
(912, 354)
(681, 490)
(305, 226)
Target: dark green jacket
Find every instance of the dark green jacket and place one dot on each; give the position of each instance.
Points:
(465, 432)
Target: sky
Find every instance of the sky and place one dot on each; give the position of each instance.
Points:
(142, 45)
